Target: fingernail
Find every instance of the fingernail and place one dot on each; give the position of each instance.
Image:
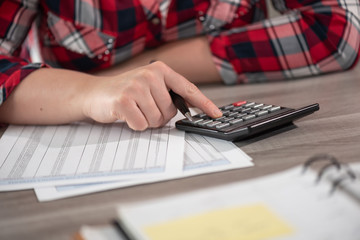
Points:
(217, 112)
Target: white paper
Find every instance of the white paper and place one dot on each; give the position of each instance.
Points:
(205, 154)
(202, 155)
(306, 208)
(34, 156)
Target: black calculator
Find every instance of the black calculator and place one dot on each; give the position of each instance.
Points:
(243, 119)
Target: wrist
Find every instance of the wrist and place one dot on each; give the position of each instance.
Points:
(87, 98)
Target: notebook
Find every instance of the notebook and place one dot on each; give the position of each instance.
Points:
(298, 203)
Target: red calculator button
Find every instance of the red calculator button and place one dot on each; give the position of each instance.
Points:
(239, 103)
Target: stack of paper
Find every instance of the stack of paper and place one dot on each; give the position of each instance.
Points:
(69, 160)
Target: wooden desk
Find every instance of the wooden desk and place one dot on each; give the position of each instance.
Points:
(334, 129)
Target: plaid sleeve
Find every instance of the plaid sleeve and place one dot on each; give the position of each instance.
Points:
(311, 38)
(16, 17)
(12, 71)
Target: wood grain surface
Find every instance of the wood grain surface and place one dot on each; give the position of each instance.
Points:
(335, 129)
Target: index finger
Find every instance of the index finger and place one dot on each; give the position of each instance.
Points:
(190, 93)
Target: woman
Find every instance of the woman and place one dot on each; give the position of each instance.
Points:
(104, 47)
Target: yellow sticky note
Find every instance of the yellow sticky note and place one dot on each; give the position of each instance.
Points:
(251, 222)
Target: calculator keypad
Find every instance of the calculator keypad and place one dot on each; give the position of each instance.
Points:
(234, 115)
(244, 119)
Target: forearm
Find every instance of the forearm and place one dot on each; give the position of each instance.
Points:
(140, 97)
(47, 96)
(190, 57)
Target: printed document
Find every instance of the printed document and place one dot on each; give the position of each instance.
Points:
(34, 156)
(202, 155)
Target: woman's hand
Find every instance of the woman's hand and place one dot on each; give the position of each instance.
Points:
(141, 97)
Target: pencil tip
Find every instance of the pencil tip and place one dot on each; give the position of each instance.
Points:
(188, 116)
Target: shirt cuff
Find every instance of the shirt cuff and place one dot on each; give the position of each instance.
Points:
(12, 72)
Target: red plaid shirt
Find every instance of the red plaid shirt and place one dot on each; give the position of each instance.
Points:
(310, 38)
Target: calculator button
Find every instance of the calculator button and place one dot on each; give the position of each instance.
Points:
(273, 109)
(228, 119)
(237, 120)
(246, 110)
(267, 107)
(203, 123)
(232, 114)
(197, 120)
(220, 118)
(262, 113)
(236, 109)
(194, 120)
(228, 107)
(222, 125)
(254, 111)
(258, 105)
(248, 117)
(239, 103)
(213, 124)
(249, 104)
(224, 112)
(240, 115)
(200, 115)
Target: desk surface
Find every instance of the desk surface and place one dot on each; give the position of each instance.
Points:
(335, 129)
